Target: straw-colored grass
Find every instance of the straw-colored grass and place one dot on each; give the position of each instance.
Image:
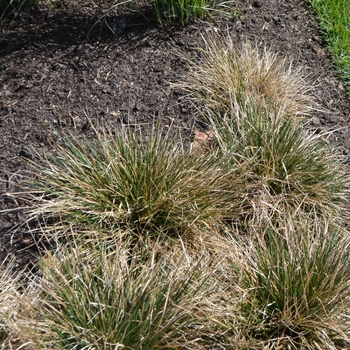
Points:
(15, 306)
(247, 74)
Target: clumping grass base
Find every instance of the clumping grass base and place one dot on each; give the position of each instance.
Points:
(103, 298)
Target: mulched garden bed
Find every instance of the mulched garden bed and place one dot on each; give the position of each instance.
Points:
(54, 78)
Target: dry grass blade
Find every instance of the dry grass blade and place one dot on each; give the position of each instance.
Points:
(15, 308)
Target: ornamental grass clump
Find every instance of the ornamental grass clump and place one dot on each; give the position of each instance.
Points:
(247, 74)
(100, 298)
(118, 183)
(295, 287)
(255, 103)
(288, 168)
(184, 11)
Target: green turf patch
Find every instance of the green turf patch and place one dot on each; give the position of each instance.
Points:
(334, 17)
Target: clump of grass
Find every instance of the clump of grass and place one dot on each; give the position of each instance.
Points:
(147, 186)
(184, 11)
(287, 166)
(295, 287)
(100, 298)
(247, 74)
(255, 105)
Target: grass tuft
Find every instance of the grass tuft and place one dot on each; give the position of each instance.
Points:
(100, 298)
(295, 287)
(226, 73)
(184, 11)
(287, 167)
(118, 183)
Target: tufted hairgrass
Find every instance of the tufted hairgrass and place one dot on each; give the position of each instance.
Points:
(295, 287)
(118, 183)
(246, 74)
(288, 167)
(99, 298)
(255, 102)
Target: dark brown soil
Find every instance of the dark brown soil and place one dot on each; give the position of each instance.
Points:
(54, 78)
